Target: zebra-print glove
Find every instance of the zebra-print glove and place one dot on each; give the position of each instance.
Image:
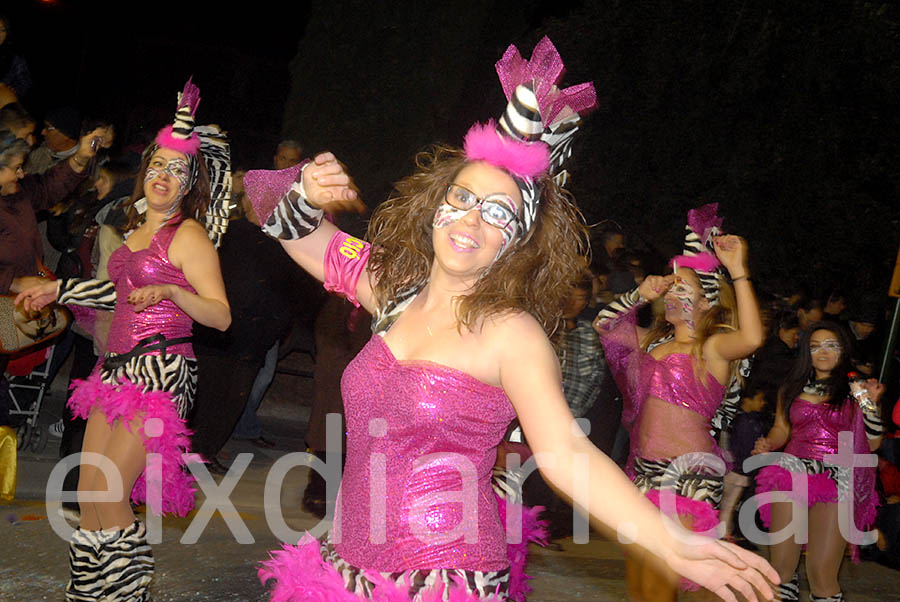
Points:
(293, 216)
(619, 306)
(87, 292)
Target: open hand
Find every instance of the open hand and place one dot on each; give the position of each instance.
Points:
(36, 293)
(721, 567)
(329, 187)
(144, 297)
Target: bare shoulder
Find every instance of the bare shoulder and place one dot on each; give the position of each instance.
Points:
(190, 242)
(514, 334)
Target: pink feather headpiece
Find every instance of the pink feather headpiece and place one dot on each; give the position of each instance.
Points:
(523, 159)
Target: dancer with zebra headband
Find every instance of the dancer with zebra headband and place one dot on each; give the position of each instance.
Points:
(163, 279)
(465, 271)
(672, 379)
(815, 405)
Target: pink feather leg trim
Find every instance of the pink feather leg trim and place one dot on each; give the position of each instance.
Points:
(534, 530)
(167, 436)
(188, 146)
(525, 160)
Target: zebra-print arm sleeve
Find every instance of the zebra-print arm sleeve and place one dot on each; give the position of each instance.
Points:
(97, 294)
(293, 216)
(731, 403)
(619, 306)
(873, 423)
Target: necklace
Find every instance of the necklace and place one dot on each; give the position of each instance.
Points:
(816, 387)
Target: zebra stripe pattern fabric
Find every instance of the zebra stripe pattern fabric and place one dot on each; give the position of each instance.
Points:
(838, 597)
(790, 591)
(113, 565)
(88, 292)
(731, 403)
(709, 281)
(841, 475)
(293, 217)
(216, 155)
(874, 425)
(480, 583)
(618, 307)
(175, 374)
(687, 476)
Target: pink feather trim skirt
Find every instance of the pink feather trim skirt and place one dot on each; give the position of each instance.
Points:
(312, 571)
(166, 486)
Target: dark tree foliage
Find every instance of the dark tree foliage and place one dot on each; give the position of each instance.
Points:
(784, 113)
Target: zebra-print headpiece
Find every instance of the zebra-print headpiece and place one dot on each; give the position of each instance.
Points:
(699, 253)
(211, 143)
(537, 126)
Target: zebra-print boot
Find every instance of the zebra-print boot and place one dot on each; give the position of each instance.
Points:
(790, 591)
(838, 597)
(85, 581)
(127, 565)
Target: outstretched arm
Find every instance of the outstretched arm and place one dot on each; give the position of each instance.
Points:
(297, 220)
(529, 373)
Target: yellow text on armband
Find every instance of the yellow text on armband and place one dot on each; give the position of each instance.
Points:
(351, 247)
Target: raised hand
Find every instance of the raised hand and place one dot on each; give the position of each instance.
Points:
(329, 187)
(732, 252)
(654, 287)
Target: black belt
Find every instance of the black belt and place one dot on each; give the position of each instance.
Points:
(156, 342)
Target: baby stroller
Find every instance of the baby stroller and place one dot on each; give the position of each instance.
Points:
(28, 382)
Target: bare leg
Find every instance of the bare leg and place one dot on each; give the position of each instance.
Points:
(785, 556)
(825, 551)
(126, 450)
(96, 437)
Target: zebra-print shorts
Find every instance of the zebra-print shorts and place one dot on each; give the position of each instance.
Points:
(493, 585)
(173, 373)
(688, 476)
(841, 475)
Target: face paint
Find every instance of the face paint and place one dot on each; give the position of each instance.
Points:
(447, 214)
(178, 169)
(680, 300)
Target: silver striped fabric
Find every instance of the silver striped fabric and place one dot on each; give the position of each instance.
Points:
(113, 565)
(790, 591)
(838, 597)
(169, 372)
(724, 416)
(618, 307)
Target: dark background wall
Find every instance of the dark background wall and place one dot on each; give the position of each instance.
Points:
(783, 112)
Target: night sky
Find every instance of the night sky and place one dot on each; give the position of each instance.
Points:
(784, 113)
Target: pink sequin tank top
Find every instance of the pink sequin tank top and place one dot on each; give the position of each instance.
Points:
(815, 427)
(421, 443)
(133, 269)
(673, 381)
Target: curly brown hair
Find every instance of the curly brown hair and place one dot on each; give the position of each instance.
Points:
(535, 275)
(193, 205)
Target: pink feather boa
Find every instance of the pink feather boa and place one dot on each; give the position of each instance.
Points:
(704, 262)
(523, 159)
(188, 146)
(301, 575)
(168, 436)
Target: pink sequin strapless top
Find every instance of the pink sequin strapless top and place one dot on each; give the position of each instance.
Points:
(133, 269)
(673, 381)
(421, 443)
(815, 427)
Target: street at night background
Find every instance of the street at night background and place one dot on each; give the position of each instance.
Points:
(783, 112)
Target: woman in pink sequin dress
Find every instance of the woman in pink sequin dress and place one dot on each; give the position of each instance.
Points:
(465, 272)
(163, 279)
(814, 408)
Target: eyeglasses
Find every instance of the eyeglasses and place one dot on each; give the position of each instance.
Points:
(829, 345)
(497, 210)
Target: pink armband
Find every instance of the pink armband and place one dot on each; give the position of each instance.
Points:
(345, 261)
